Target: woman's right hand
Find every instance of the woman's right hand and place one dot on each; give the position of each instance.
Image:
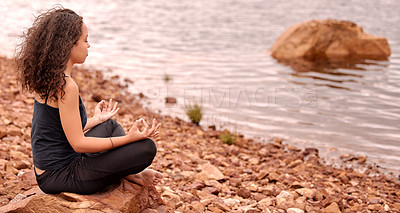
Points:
(135, 134)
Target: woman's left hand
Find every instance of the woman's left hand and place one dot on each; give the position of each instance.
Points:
(104, 111)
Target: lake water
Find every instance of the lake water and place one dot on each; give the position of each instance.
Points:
(215, 51)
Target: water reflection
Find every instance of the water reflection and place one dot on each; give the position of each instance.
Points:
(333, 73)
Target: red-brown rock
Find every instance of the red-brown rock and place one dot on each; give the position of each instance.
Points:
(170, 100)
(127, 197)
(333, 208)
(3, 132)
(244, 193)
(329, 39)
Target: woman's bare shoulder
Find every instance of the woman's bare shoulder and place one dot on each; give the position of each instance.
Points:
(70, 86)
(71, 92)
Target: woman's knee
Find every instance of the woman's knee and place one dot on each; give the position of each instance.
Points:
(141, 152)
(111, 124)
(108, 123)
(152, 148)
(143, 149)
(109, 128)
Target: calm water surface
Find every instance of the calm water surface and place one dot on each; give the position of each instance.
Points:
(216, 54)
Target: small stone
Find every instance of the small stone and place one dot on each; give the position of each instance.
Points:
(354, 182)
(17, 155)
(214, 209)
(296, 185)
(199, 132)
(258, 196)
(170, 100)
(375, 200)
(21, 164)
(386, 208)
(396, 206)
(222, 206)
(294, 210)
(309, 193)
(269, 190)
(213, 183)
(249, 208)
(266, 202)
(285, 200)
(4, 201)
(273, 176)
(198, 205)
(244, 193)
(253, 187)
(14, 131)
(203, 195)
(3, 164)
(375, 207)
(3, 132)
(293, 148)
(231, 202)
(10, 167)
(295, 163)
(343, 177)
(209, 172)
(249, 171)
(18, 198)
(172, 196)
(236, 182)
(212, 190)
(252, 210)
(362, 159)
(150, 211)
(310, 151)
(285, 194)
(284, 203)
(187, 174)
(28, 177)
(332, 208)
(254, 161)
(262, 174)
(197, 185)
(207, 201)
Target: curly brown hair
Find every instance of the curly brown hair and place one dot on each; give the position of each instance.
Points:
(43, 55)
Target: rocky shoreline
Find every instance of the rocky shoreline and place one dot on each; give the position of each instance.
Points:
(202, 174)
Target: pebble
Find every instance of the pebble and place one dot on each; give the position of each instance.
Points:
(309, 193)
(285, 194)
(231, 202)
(294, 210)
(244, 193)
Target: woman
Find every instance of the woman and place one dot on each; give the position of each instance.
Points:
(65, 158)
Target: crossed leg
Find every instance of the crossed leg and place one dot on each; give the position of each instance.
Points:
(110, 128)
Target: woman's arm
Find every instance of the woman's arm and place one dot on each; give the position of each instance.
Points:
(102, 113)
(72, 126)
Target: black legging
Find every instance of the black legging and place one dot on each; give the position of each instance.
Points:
(92, 172)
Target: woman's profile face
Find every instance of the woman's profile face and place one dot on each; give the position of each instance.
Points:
(80, 50)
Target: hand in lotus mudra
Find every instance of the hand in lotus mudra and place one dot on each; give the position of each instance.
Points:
(148, 132)
(104, 111)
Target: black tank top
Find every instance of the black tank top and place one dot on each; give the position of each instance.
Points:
(50, 147)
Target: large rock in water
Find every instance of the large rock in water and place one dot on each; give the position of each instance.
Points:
(329, 39)
(126, 197)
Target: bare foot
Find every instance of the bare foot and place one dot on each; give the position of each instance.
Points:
(148, 177)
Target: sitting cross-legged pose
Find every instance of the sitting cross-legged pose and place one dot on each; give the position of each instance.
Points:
(73, 153)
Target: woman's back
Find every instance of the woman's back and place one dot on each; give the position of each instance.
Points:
(50, 147)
